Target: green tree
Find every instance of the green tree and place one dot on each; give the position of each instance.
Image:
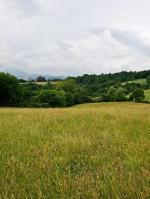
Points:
(112, 93)
(69, 98)
(80, 96)
(10, 90)
(77, 98)
(40, 79)
(138, 95)
(69, 85)
(53, 98)
(120, 94)
(61, 98)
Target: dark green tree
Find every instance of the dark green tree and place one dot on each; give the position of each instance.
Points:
(69, 98)
(53, 98)
(148, 81)
(69, 85)
(61, 98)
(138, 95)
(40, 79)
(10, 90)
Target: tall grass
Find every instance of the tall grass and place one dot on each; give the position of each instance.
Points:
(88, 151)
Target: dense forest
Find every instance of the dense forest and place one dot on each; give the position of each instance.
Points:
(73, 90)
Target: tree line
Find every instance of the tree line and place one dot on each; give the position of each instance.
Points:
(72, 90)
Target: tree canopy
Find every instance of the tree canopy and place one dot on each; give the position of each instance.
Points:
(138, 95)
(73, 90)
(10, 90)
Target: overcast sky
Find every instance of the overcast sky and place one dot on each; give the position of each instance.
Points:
(72, 37)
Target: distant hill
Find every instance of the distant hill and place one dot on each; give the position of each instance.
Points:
(18, 73)
(27, 76)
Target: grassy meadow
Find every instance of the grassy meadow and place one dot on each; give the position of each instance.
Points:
(137, 81)
(147, 95)
(87, 151)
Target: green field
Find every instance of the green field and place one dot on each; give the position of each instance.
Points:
(137, 81)
(40, 83)
(147, 95)
(44, 83)
(87, 151)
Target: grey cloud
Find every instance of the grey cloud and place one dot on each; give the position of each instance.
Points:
(132, 40)
(57, 36)
(65, 45)
(129, 38)
(24, 7)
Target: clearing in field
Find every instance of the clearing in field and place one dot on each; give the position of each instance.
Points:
(88, 151)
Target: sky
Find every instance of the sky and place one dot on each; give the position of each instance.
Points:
(74, 37)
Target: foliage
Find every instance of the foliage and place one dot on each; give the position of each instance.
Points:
(10, 90)
(112, 94)
(74, 90)
(52, 97)
(120, 94)
(99, 84)
(138, 95)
